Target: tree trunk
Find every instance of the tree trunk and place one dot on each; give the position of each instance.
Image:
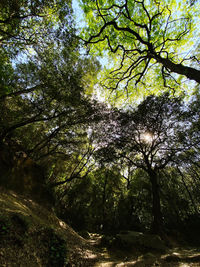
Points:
(157, 226)
(190, 73)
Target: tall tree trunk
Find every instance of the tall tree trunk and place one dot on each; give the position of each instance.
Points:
(157, 226)
(190, 73)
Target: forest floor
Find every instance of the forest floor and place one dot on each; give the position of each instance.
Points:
(176, 257)
(31, 235)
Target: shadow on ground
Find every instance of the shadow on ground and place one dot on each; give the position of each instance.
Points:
(176, 257)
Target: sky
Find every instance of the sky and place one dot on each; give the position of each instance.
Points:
(78, 13)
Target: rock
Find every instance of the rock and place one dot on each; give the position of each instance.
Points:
(133, 239)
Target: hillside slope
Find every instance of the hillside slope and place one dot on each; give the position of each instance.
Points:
(30, 235)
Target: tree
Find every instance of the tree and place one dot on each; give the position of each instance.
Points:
(26, 22)
(46, 88)
(77, 167)
(92, 203)
(149, 138)
(45, 97)
(147, 40)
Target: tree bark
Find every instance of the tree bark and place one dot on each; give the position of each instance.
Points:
(157, 225)
(190, 73)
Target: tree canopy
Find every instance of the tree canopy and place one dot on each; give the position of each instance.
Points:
(146, 40)
(29, 22)
(45, 85)
(151, 138)
(109, 167)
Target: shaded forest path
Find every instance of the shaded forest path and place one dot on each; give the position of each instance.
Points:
(176, 257)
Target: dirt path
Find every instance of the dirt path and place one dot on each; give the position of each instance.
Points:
(176, 257)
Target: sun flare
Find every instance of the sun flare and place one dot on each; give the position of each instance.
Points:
(147, 137)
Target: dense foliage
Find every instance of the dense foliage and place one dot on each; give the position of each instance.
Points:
(133, 167)
(147, 42)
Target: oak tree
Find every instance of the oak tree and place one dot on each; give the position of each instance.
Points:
(150, 138)
(150, 42)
